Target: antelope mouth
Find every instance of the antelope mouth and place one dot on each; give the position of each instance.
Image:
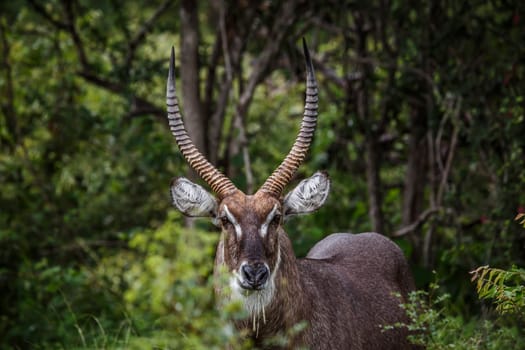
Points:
(254, 296)
(244, 289)
(249, 288)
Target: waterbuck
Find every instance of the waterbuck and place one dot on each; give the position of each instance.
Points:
(343, 290)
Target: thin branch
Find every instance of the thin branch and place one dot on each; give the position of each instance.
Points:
(83, 245)
(140, 106)
(8, 107)
(385, 104)
(416, 71)
(452, 111)
(332, 76)
(231, 41)
(140, 35)
(243, 141)
(382, 23)
(224, 41)
(448, 164)
(439, 137)
(72, 29)
(95, 79)
(421, 219)
(432, 168)
(216, 119)
(189, 74)
(42, 12)
(327, 26)
(283, 22)
(211, 73)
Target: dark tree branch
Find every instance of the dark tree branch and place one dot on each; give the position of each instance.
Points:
(392, 64)
(189, 74)
(234, 37)
(211, 76)
(451, 152)
(382, 24)
(217, 117)
(43, 12)
(342, 82)
(142, 107)
(224, 41)
(8, 106)
(284, 20)
(139, 105)
(72, 29)
(140, 35)
(421, 219)
(100, 82)
(331, 28)
(373, 161)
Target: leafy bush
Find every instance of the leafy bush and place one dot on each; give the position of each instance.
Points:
(505, 287)
(167, 283)
(434, 325)
(155, 293)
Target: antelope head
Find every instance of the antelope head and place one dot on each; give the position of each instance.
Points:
(251, 224)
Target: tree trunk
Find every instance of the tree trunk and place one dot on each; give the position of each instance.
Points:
(8, 106)
(369, 126)
(415, 179)
(374, 185)
(194, 120)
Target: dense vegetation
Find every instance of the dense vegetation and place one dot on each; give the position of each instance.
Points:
(421, 130)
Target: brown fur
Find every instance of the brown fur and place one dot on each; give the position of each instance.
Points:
(343, 289)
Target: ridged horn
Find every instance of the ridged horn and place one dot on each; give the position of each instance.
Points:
(218, 182)
(275, 184)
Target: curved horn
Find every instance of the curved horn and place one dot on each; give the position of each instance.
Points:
(275, 184)
(218, 182)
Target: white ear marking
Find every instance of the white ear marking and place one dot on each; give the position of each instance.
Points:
(308, 196)
(191, 199)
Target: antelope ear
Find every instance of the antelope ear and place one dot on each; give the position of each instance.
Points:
(308, 196)
(191, 199)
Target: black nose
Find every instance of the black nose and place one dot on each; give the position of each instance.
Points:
(255, 275)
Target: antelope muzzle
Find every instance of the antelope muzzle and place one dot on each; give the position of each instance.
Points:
(254, 276)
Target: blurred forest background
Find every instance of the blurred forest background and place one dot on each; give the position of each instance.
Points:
(421, 129)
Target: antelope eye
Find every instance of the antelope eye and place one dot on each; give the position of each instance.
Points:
(276, 219)
(224, 221)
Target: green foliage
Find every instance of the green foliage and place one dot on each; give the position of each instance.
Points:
(505, 287)
(434, 325)
(166, 284)
(156, 293)
(89, 257)
(61, 308)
